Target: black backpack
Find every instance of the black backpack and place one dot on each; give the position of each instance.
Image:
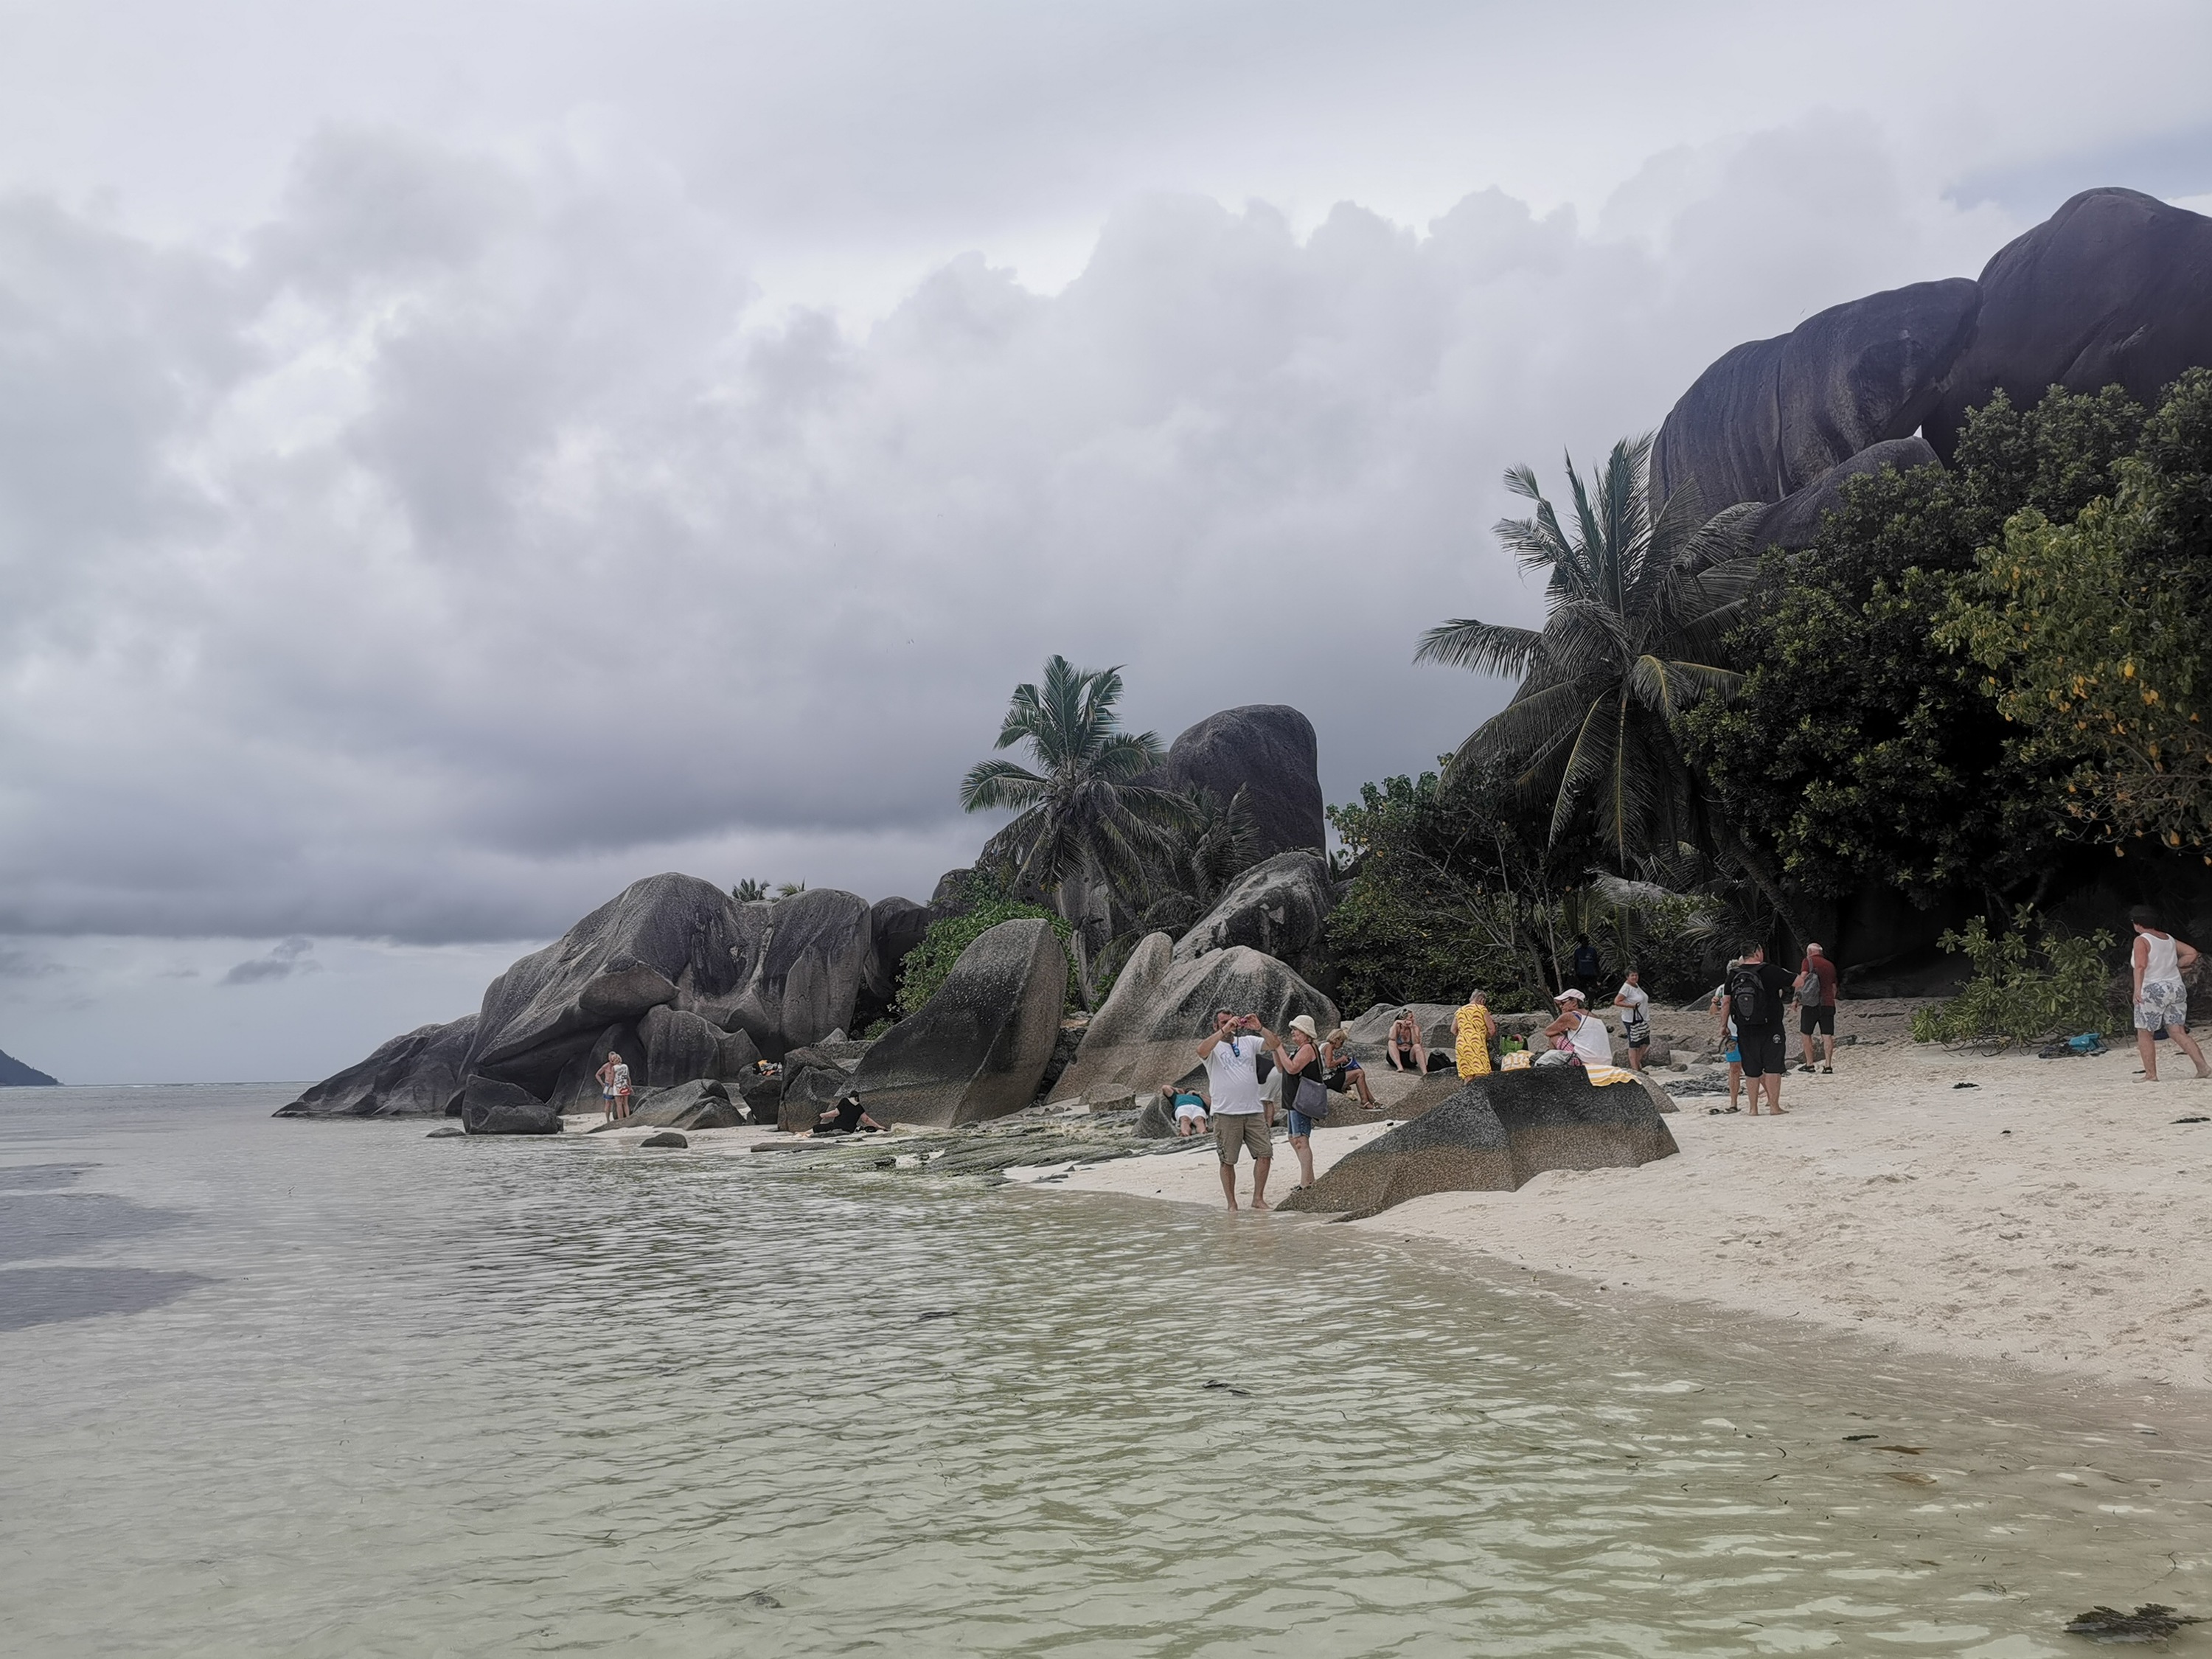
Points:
(1747, 996)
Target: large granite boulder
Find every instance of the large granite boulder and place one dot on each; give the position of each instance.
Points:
(895, 926)
(2114, 287)
(1268, 750)
(1147, 1037)
(1492, 1136)
(411, 1076)
(669, 940)
(1772, 416)
(804, 959)
(489, 1106)
(1795, 520)
(703, 1103)
(679, 1046)
(1279, 907)
(812, 1079)
(979, 1046)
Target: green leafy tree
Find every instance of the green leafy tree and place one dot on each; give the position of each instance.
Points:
(1638, 605)
(1081, 816)
(2095, 637)
(925, 966)
(2020, 994)
(1858, 750)
(749, 892)
(1216, 842)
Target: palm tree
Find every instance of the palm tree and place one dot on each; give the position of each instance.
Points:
(1217, 842)
(1084, 820)
(1638, 603)
(749, 892)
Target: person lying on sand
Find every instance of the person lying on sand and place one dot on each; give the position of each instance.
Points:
(1189, 1114)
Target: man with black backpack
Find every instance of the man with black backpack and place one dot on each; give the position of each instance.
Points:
(1757, 990)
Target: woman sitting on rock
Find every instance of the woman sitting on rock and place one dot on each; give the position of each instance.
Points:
(1577, 1034)
(1340, 1069)
(1405, 1050)
(845, 1118)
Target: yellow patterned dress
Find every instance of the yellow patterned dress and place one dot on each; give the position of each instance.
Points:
(1471, 1025)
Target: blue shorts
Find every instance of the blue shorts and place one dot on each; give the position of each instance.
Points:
(1301, 1125)
(1735, 1054)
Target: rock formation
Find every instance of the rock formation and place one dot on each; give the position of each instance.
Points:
(489, 1106)
(1370, 1032)
(803, 968)
(1795, 520)
(1772, 416)
(1279, 907)
(2115, 288)
(1147, 1037)
(1268, 750)
(1492, 1136)
(417, 1075)
(701, 1104)
(979, 1046)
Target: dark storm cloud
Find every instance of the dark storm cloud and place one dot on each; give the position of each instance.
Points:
(467, 540)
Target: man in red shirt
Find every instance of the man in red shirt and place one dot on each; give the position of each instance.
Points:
(1816, 1006)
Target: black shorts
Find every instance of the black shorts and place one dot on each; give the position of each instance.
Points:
(1821, 1018)
(1763, 1048)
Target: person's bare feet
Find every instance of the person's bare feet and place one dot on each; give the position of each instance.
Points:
(1261, 1203)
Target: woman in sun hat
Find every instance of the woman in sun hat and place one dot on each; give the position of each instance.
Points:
(1583, 1032)
(1301, 1066)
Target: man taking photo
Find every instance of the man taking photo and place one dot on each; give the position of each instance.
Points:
(1241, 1118)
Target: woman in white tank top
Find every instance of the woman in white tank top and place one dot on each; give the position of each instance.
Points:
(2161, 998)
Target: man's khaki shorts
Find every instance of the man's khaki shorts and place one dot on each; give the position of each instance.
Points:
(1234, 1131)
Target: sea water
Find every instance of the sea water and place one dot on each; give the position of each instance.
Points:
(337, 1388)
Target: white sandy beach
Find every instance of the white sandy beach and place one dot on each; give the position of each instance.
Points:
(2054, 1216)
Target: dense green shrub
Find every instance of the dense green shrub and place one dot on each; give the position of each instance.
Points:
(929, 962)
(2018, 994)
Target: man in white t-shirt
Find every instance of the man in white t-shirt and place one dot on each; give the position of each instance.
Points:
(1241, 1118)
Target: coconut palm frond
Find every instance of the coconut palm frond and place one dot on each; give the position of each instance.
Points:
(1484, 647)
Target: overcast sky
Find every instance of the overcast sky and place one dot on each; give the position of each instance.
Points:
(456, 460)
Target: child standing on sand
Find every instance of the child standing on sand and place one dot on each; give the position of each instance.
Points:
(2161, 998)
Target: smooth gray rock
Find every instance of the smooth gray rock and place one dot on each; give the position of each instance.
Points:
(679, 1047)
(1492, 1136)
(1795, 521)
(1772, 416)
(1268, 750)
(2115, 288)
(667, 940)
(1147, 1034)
(977, 1048)
(804, 959)
(1279, 907)
(667, 1140)
(950, 896)
(700, 1103)
(411, 1076)
(812, 1079)
(489, 1106)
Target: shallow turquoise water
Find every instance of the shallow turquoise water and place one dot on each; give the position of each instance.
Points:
(362, 1392)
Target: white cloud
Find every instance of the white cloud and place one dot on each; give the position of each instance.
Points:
(467, 539)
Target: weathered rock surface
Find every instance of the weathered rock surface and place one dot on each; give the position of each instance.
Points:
(1772, 416)
(666, 1140)
(804, 968)
(13, 1074)
(667, 940)
(411, 1076)
(1268, 750)
(1492, 1136)
(1279, 907)
(896, 925)
(1795, 520)
(1147, 1035)
(2114, 287)
(489, 1106)
(978, 1049)
(680, 1046)
(701, 1103)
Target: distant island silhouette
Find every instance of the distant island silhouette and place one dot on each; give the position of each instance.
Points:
(13, 1074)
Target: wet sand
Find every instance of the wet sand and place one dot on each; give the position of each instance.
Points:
(2055, 1215)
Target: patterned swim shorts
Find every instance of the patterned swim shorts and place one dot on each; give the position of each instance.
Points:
(2165, 1004)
